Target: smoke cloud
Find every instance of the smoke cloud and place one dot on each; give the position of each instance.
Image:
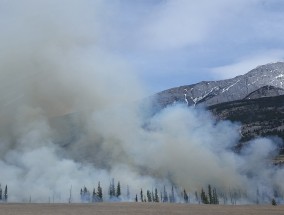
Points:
(70, 116)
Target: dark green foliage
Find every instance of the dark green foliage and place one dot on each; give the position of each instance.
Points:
(100, 192)
(196, 197)
(118, 191)
(165, 196)
(0, 193)
(273, 202)
(215, 197)
(141, 195)
(210, 196)
(185, 196)
(94, 196)
(204, 198)
(112, 189)
(156, 197)
(6, 194)
(149, 196)
(172, 195)
(85, 195)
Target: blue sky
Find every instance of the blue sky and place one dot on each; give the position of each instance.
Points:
(166, 43)
(178, 42)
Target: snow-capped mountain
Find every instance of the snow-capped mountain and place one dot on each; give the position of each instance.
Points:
(263, 81)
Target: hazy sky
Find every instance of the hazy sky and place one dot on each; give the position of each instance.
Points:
(178, 42)
(167, 43)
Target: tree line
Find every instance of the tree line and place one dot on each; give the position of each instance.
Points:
(165, 195)
(174, 195)
(115, 194)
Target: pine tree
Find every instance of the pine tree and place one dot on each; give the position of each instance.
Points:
(165, 199)
(204, 198)
(112, 189)
(81, 194)
(196, 197)
(215, 197)
(85, 195)
(0, 193)
(210, 194)
(172, 196)
(141, 195)
(100, 192)
(273, 202)
(149, 196)
(156, 199)
(6, 194)
(94, 196)
(185, 196)
(118, 192)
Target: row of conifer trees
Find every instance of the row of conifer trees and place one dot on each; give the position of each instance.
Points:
(114, 194)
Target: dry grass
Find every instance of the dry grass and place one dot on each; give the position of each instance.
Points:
(137, 208)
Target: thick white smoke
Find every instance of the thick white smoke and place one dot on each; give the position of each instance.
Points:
(70, 117)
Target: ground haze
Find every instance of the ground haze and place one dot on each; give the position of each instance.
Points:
(137, 208)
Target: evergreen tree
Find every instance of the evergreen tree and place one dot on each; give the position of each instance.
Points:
(156, 198)
(85, 195)
(185, 196)
(273, 202)
(215, 197)
(6, 194)
(210, 194)
(172, 196)
(165, 196)
(149, 196)
(100, 192)
(81, 194)
(204, 198)
(141, 195)
(94, 196)
(0, 193)
(118, 191)
(196, 197)
(112, 189)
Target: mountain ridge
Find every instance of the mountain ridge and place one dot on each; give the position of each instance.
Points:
(215, 92)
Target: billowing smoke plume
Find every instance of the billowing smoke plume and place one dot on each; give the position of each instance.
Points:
(70, 116)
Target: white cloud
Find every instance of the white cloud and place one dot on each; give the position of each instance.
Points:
(179, 23)
(247, 63)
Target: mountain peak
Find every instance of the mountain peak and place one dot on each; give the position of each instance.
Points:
(238, 88)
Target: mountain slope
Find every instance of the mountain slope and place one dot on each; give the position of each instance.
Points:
(259, 117)
(215, 92)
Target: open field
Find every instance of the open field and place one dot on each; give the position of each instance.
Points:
(137, 208)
